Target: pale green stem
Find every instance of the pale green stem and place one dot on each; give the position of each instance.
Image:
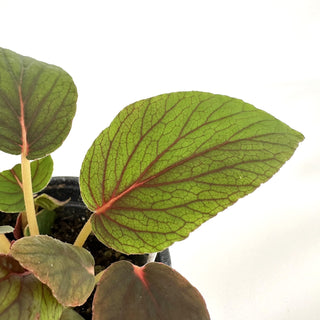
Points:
(28, 195)
(83, 234)
(4, 244)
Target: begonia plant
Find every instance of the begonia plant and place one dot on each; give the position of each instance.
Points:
(164, 166)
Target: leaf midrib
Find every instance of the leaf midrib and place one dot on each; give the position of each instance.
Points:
(139, 182)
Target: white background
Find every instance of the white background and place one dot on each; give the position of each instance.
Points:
(260, 259)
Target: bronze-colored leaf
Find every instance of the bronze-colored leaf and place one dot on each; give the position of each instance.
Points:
(155, 291)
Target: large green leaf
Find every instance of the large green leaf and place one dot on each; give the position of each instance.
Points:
(154, 291)
(11, 193)
(23, 296)
(169, 163)
(67, 270)
(37, 100)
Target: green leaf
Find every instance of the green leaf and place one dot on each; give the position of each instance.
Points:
(45, 219)
(169, 163)
(67, 270)
(6, 229)
(11, 194)
(47, 202)
(154, 291)
(23, 296)
(36, 99)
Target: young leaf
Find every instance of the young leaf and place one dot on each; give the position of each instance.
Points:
(67, 270)
(6, 229)
(154, 291)
(11, 194)
(37, 105)
(47, 202)
(23, 296)
(45, 219)
(169, 163)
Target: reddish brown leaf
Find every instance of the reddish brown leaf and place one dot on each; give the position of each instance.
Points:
(154, 291)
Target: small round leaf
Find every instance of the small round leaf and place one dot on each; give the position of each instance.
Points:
(11, 193)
